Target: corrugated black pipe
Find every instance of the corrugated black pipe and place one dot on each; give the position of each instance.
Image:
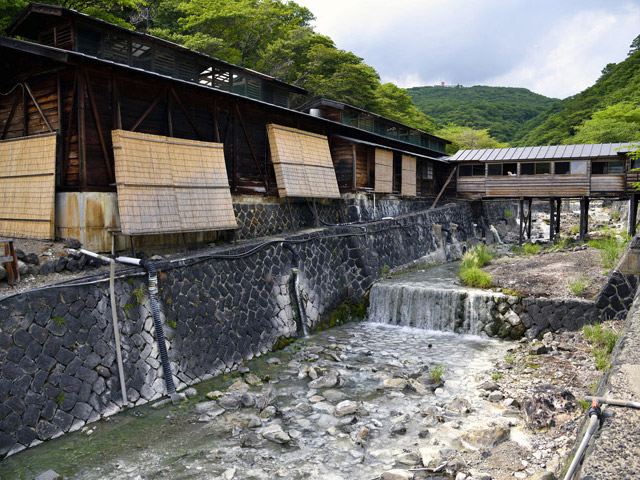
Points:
(157, 324)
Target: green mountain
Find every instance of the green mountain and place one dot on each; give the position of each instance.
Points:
(608, 111)
(502, 110)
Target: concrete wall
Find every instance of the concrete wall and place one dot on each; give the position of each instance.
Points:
(57, 348)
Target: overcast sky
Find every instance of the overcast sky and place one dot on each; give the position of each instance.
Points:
(553, 47)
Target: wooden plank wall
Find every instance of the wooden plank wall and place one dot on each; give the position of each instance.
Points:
(408, 188)
(342, 155)
(383, 171)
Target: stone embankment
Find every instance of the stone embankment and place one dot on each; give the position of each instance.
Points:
(220, 306)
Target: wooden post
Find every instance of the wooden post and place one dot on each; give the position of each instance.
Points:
(521, 229)
(633, 214)
(529, 218)
(82, 136)
(584, 218)
(552, 219)
(353, 161)
(558, 207)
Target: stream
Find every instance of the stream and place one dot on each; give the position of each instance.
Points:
(384, 426)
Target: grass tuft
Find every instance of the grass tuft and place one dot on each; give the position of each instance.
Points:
(470, 268)
(603, 339)
(532, 249)
(579, 285)
(610, 249)
(436, 373)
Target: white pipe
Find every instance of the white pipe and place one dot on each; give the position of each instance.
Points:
(129, 260)
(114, 317)
(614, 402)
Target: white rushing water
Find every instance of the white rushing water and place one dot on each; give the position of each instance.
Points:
(430, 300)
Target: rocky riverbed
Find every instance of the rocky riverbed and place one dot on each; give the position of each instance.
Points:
(360, 401)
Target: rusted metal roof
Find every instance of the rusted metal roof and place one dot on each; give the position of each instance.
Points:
(548, 152)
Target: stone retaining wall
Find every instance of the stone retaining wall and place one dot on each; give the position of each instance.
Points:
(57, 348)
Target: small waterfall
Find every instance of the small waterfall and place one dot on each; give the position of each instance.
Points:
(431, 308)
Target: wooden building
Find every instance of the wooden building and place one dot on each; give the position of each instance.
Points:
(565, 171)
(550, 172)
(79, 80)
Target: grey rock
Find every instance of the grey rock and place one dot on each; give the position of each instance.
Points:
(274, 433)
(48, 475)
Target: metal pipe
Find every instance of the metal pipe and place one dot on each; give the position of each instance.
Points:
(614, 402)
(594, 414)
(114, 317)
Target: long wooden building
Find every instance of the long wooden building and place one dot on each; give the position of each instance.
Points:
(104, 129)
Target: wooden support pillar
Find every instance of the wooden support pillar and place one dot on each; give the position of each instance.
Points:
(354, 178)
(530, 201)
(521, 229)
(558, 207)
(82, 136)
(584, 218)
(552, 219)
(633, 214)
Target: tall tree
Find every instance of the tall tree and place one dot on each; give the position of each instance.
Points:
(467, 138)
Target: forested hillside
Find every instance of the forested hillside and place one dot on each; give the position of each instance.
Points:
(608, 111)
(503, 111)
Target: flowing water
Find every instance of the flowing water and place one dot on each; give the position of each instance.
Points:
(430, 299)
(199, 440)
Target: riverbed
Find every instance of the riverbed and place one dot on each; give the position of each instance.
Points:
(347, 403)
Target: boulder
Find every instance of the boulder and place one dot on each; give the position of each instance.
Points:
(346, 407)
(485, 436)
(274, 433)
(397, 474)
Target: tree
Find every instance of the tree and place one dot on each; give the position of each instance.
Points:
(467, 138)
(608, 67)
(396, 104)
(634, 47)
(616, 123)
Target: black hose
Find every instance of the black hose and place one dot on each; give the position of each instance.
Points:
(157, 324)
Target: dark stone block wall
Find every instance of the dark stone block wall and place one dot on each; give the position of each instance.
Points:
(219, 307)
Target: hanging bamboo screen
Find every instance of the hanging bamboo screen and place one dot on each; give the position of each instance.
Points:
(408, 188)
(168, 185)
(27, 187)
(302, 163)
(383, 171)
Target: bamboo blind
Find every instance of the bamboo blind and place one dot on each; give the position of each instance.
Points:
(27, 187)
(168, 185)
(383, 171)
(302, 163)
(408, 187)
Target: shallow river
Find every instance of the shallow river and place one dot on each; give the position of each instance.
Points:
(201, 440)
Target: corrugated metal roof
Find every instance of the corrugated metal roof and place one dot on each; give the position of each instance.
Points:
(547, 152)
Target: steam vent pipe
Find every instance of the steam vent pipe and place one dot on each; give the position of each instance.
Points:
(296, 282)
(157, 324)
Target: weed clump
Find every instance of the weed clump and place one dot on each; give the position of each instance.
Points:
(602, 339)
(579, 285)
(610, 249)
(470, 268)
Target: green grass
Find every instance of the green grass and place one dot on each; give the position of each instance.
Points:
(575, 229)
(610, 249)
(510, 359)
(470, 267)
(508, 213)
(474, 277)
(579, 285)
(384, 270)
(436, 373)
(561, 242)
(58, 320)
(532, 249)
(602, 339)
(615, 216)
(496, 376)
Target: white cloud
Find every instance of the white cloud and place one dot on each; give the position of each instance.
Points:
(553, 47)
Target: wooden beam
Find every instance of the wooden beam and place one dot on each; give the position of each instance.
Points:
(25, 113)
(354, 178)
(82, 134)
(253, 153)
(552, 221)
(96, 119)
(633, 214)
(11, 114)
(234, 154)
(169, 120)
(35, 102)
(187, 114)
(446, 184)
(558, 208)
(66, 148)
(115, 103)
(529, 210)
(148, 110)
(584, 218)
(216, 126)
(59, 145)
(521, 229)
